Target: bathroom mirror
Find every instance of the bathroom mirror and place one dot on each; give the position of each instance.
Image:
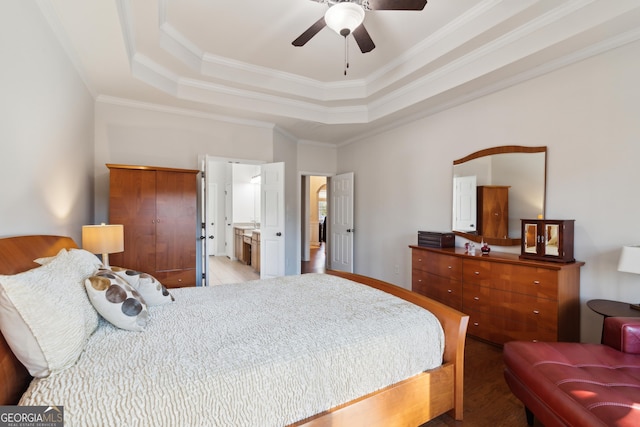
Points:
(520, 175)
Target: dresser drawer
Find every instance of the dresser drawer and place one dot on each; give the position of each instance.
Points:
(477, 272)
(525, 309)
(177, 278)
(538, 282)
(442, 289)
(442, 265)
(500, 330)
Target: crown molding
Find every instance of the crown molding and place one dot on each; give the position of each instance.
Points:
(301, 98)
(158, 108)
(306, 99)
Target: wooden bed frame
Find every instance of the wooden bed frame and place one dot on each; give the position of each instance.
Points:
(413, 401)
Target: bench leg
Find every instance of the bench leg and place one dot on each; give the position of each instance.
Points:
(529, 415)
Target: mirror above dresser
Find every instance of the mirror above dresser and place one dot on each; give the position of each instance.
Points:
(493, 189)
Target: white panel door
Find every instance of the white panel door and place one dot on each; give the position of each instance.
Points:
(341, 222)
(203, 211)
(464, 203)
(211, 211)
(228, 221)
(272, 217)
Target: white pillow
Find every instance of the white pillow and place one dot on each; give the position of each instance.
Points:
(45, 314)
(48, 259)
(116, 301)
(153, 292)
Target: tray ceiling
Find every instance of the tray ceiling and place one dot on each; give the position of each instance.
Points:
(234, 60)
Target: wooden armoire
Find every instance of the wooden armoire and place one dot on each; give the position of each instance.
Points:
(158, 208)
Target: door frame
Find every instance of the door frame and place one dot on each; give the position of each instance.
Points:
(302, 237)
(201, 255)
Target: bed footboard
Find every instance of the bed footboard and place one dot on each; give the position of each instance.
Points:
(446, 380)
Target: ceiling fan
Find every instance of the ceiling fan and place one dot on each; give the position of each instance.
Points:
(345, 17)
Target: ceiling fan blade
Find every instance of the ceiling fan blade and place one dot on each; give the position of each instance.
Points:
(397, 4)
(365, 43)
(310, 32)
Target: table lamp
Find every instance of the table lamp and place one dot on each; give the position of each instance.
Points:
(630, 263)
(103, 239)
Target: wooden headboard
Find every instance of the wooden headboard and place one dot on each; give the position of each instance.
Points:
(17, 255)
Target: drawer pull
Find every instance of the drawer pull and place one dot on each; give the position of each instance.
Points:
(476, 298)
(449, 290)
(449, 267)
(536, 282)
(476, 273)
(419, 280)
(419, 259)
(536, 311)
(476, 324)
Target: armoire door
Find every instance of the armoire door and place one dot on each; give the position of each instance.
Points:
(176, 208)
(133, 204)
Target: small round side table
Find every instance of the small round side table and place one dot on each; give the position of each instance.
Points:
(608, 308)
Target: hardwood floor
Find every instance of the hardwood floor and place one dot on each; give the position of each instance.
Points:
(488, 402)
(316, 263)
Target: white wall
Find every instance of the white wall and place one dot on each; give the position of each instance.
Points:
(246, 195)
(145, 135)
(317, 158)
(46, 111)
(588, 116)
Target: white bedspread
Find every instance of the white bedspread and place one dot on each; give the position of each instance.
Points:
(262, 353)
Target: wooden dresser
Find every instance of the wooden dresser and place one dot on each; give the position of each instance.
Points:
(506, 298)
(158, 208)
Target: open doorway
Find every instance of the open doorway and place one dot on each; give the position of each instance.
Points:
(314, 224)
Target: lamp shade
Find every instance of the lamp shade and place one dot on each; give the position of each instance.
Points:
(344, 16)
(630, 259)
(103, 239)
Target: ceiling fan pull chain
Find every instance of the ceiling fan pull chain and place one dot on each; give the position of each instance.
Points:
(346, 55)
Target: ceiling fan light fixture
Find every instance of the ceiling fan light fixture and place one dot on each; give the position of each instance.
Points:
(344, 16)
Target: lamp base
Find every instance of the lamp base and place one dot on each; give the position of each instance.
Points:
(635, 306)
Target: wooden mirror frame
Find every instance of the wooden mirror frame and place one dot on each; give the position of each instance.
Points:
(505, 149)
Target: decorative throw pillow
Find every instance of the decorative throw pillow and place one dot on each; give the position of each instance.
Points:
(45, 314)
(153, 292)
(116, 301)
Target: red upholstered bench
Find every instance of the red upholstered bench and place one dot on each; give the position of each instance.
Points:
(576, 384)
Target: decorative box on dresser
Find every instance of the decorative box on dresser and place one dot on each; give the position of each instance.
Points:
(506, 298)
(158, 208)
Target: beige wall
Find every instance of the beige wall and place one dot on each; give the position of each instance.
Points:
(46, 149)
(588, 116)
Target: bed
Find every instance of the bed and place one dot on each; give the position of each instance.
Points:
(409, 401)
